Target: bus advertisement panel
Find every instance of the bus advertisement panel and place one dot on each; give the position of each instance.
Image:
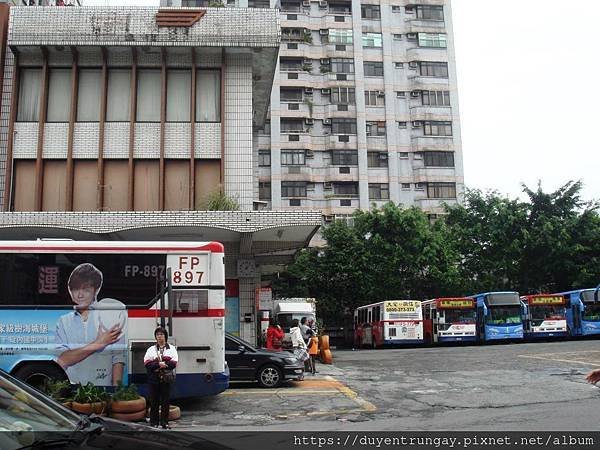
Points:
(583, 312)
(450, 320)
(390, 322)
(545, 316)
(86, 311)
(499, 316)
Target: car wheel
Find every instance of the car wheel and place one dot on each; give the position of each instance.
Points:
(269, 376)
(36, 374)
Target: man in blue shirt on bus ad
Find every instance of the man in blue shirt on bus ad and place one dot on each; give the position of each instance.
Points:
(91, 341)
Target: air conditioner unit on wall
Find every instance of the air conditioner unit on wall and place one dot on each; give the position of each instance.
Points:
(328, 185)
(322, 4)
(413, 65)
(308, 90)
(417, 124)
(411, 35)
(415, 94)
(326, 121)
(380, 93)
(326, 91)
(323, 31)
(309, 154)
(306, 3)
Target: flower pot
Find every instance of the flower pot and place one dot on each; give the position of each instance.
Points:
(174, 412)
(128, 406)
(89, 408)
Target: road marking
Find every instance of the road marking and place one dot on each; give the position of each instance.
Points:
(327, 385)
(562, 357)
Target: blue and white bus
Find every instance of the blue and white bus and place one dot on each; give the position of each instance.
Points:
(583, 312)
(499, 316)
(86, 311)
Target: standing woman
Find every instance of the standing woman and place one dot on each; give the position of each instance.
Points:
(160, 361)
(274, 335)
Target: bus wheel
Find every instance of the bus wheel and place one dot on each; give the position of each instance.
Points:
(269, 376)
(36, 374)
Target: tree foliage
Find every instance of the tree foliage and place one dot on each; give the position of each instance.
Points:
(549, 243)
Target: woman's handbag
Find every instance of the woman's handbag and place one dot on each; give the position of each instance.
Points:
(166, 376)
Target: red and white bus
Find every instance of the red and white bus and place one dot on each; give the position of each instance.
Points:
(450, 319)
(86, 311)
(390, 322)
(545, 316)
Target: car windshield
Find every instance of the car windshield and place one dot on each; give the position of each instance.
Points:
(504, 315)
(24, 409)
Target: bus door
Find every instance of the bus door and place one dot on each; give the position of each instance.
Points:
(577, 311)
(367, 336)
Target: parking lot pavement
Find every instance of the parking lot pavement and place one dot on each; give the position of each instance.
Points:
(588, 358)
(244, 404)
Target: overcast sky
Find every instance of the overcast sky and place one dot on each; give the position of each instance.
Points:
(529, 92)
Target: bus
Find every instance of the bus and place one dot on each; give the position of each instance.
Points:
(583, 312)
(390, 322)
(86, 311)
(544, 316)
(450, 320)
(499, 316)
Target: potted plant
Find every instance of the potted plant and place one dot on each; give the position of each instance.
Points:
(127, 404)
(59, 390)
(89, 399)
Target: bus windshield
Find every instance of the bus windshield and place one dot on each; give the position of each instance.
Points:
(539, 313)
(504, 315)
(591, 313)
(459, 316)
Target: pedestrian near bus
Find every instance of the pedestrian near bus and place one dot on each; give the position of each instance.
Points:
(274, 335)
(160, 359)
(297, 342)
(313, 351)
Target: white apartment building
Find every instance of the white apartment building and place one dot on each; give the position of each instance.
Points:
(364, 107)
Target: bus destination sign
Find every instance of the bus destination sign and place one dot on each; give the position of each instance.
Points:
(402, 306)
(455, 303)
(547, 300)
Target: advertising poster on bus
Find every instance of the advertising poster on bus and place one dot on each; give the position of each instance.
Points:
(75, 312)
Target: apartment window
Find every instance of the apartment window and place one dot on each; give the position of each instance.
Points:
(374, 98)
(208, 96)
(396, 8)
(345, 189)
(264, 190)
(30, 83)
(344, 157)
(290, 7)
(292, 34)
(435, 40)
(290, 64)
(264, 158)
(405, 186)
(430, 12)
(377, 159)
(397, 37)
(438, 159)
(293, 157)
(435, 98)
(343, 126)
(376, 128)
(179, 88)
(372, 40)
(342, 65)
(431, 128)
(118, 95)
(398, 65)
(340, 8)
(293, 188)
(373, 68)
(402, 124)
(88, 95)
(403, 155)
(59, 95)
(292, 125)
(433, 69)
(400, 94)
(148, 95)
(337, 36)
(370, 12)
(290, 95)
(441, 190)
(343, 95)
(379, 191)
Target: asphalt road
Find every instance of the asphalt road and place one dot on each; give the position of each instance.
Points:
(511, 387)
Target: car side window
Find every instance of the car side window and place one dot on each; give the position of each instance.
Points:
(231, 345)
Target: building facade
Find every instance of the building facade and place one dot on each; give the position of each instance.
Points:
(120, 123)
(364, 107)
